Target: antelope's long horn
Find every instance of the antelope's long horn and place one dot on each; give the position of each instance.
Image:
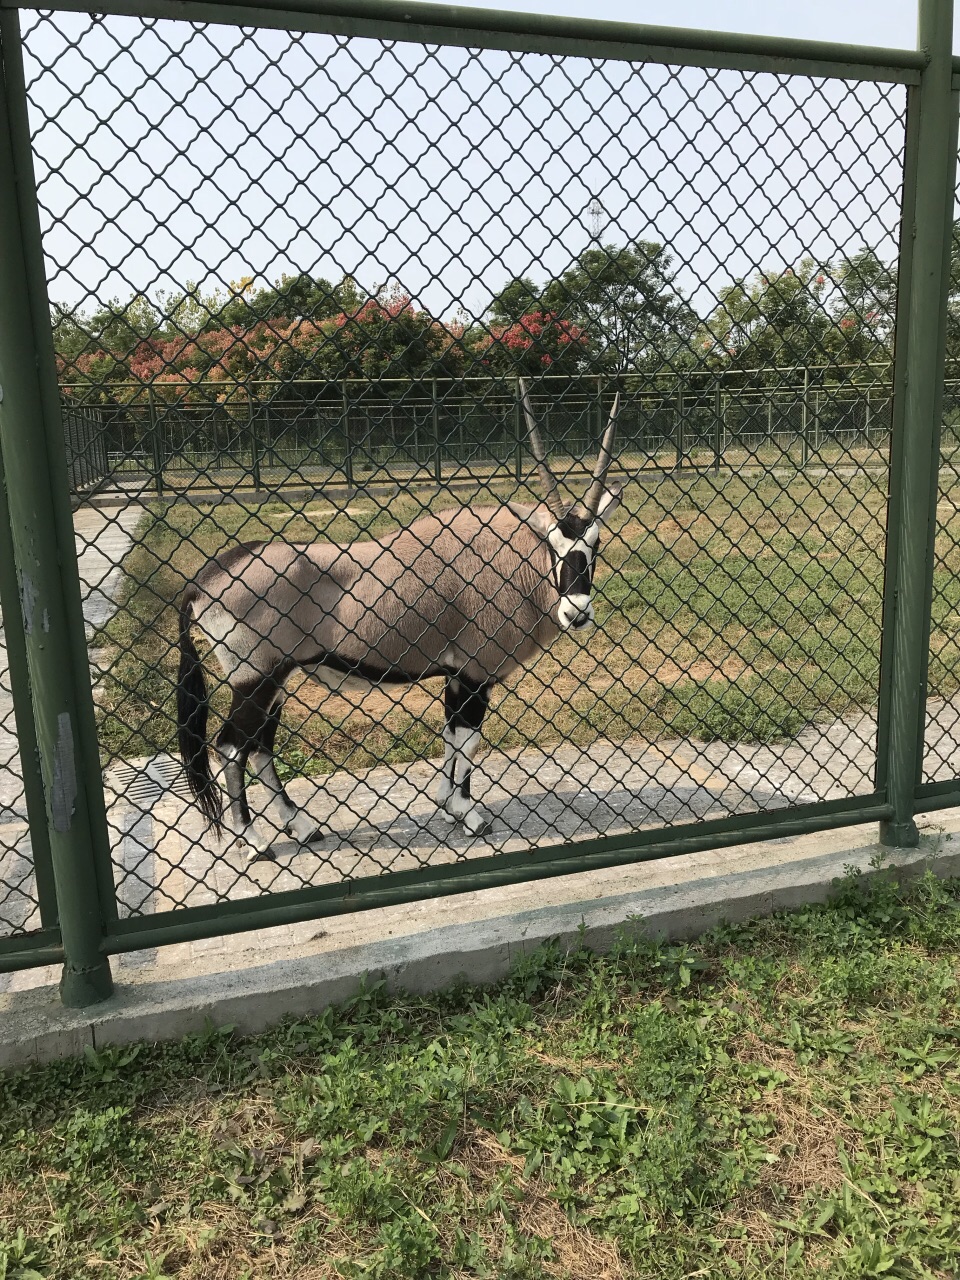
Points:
(605, 457)
(551, 490)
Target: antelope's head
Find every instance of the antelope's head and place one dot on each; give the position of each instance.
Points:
(572, 533)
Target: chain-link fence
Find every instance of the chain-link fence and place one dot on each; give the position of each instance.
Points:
(941, 763)
(320, 302)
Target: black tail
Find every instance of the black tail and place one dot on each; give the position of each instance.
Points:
(192, 709)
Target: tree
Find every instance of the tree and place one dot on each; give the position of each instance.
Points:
(772, 320)
(625, 301)
(538, 343)
(117, 327)
(388, 337)
(863, 309)
(621, 300)
(292, 297)
(519, 298)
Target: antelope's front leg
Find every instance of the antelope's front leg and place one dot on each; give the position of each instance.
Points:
(465, 705)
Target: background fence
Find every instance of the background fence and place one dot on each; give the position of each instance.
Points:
(709, 225)
(270, 435)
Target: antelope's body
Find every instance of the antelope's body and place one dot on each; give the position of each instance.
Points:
(468, 595)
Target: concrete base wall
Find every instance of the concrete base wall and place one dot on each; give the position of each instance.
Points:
(299, 970)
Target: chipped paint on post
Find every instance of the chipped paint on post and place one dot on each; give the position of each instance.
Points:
(28, 599)
(63, 792)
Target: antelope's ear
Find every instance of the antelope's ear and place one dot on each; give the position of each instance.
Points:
(610, 499)
(539, 517)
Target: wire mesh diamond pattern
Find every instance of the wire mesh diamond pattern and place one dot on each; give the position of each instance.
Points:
(300, 284)
(941, 751)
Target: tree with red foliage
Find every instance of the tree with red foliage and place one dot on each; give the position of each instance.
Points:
(537, 343)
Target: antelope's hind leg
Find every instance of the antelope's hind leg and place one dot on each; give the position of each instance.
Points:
(296, 822)
(248, 735)
(465, 705)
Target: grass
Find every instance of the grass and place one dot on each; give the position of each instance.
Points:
(781, 1098)
(733, 606)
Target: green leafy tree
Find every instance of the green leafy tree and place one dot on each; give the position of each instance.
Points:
(863, 308)
(519, 298)
(292, 297)
(621, 301)
(626, 303)
(117, 327)
(773, 320)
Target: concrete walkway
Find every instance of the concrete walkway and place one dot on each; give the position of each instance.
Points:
(384, 819)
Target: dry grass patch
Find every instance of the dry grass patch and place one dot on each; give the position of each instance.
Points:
(578, 1254)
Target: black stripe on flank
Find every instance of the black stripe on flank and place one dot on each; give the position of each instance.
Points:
(369, 671)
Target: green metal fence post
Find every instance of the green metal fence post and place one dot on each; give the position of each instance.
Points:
(518, 437)
(41, 524)
(254, 443)
(19, 677)
(437, 444)
(347, 441)
(155, 443)
(918, 398)
(805, 422)
(717, 427)
(680, 424)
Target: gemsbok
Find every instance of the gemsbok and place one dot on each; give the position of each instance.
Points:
(468, 595)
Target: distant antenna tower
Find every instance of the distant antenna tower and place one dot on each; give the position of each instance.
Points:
(596, 213)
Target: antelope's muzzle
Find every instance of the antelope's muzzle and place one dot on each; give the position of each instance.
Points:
(575, 613)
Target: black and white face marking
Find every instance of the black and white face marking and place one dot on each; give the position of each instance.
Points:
(573, 546)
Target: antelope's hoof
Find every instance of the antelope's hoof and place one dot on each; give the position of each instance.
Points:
(478, 824)
(255, 854)
(254, 850)
(474, 822)
(304, 829)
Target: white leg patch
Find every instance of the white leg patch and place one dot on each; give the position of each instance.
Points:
(453, 794)
(445, 788)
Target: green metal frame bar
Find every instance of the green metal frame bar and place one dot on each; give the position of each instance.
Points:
(921, 347)
(529, 32)
(28, 950)
(897, 437)
(60, 509)
(190, 923)
(23, 716)
(41, 525)
(34, 958)
(937, 795)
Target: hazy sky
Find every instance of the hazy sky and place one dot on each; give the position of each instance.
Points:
(167, 155)
(891, 23)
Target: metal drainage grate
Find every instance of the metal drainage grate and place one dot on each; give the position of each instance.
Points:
(144, 781)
